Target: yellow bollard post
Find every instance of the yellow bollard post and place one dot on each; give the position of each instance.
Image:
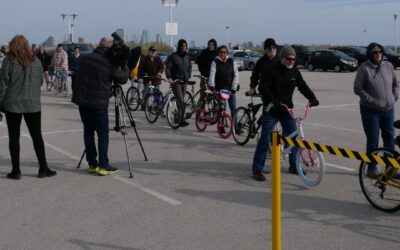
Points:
(276, 191)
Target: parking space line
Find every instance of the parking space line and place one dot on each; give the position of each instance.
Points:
(333, 127)
(131, 183)
(148, 191)
(340, 167)
(49, 133)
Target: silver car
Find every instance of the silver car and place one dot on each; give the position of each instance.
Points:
(249, 58)
(238, 62)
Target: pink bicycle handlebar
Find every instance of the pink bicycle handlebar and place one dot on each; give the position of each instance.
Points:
(290, 111)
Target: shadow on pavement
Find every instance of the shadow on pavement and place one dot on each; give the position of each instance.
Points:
(87, 245)
(313, 209)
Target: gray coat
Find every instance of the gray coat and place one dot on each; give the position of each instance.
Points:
(20, 88)
(377, 86)
(178, 67)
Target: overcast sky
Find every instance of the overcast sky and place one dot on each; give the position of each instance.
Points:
(288, 21)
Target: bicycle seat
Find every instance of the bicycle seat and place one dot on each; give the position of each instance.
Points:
(224, 94)
(191, 82)
(396, 124)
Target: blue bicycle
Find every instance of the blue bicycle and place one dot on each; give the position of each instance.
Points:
(154, 107)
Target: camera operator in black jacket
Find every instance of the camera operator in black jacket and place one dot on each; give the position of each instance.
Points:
(92, 92)
(276, 88)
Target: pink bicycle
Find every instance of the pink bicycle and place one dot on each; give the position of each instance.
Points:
(218, 115)
(310, 164)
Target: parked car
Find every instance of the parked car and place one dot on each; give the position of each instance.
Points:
(359, 53)
(249, 58)
(239, 62)
(392, 56)
(331, 60)
(163, 56)
(194, 54)
(303, 54)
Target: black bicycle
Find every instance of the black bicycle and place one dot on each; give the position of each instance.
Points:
(247, 124)
(202, 99)
(134, 96)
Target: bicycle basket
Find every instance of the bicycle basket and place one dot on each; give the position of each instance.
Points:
(224, 94)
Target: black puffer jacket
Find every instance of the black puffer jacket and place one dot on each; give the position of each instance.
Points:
(205, 59)
(179, 67)
(45, 59)
(94, 78)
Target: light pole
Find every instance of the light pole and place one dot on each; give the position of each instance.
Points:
(365, 37)
(395, 32)
(71, 25)
(170, 6)
(227, 36)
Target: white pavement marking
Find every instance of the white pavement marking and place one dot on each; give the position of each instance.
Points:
(340, 167)
(131, 183)
(149, 191)
(49, 133)
(333, 127)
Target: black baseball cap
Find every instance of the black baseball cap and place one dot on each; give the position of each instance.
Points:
(152, 49)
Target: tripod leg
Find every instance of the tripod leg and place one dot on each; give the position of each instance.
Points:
(127, 156)
(133, 124)
(83, 154)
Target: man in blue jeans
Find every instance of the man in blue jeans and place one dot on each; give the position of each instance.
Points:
(92, 92)
(276, 88)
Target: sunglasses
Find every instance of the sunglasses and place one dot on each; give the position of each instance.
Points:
(290, 59)
(377, 52)
(223, 52)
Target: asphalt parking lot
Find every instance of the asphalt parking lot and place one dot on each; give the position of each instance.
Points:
(196, 190)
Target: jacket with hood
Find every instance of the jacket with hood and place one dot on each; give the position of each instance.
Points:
(178, 65)
(205, 59)
(376, 83)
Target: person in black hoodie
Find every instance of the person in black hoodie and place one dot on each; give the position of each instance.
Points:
(45, 59)
(263, 63)
(206, 57)
(178, 72)
(92, 92)
(276, 88)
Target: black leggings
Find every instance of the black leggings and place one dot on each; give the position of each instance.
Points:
(33, 122)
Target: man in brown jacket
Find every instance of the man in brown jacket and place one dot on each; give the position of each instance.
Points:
(151, 66)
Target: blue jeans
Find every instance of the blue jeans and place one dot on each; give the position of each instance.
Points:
(232, 105)
(95, 120)
(268, 125)
(373, 121)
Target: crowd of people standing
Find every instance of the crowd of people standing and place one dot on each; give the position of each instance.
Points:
(275, 75)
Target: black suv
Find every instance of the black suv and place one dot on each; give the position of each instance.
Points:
(194, 54)
(359, 53)
(392, 56)
(331, 60)
(303, 54)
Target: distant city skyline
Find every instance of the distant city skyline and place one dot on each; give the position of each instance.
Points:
(291, 21)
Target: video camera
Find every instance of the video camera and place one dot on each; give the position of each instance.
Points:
(119, 51)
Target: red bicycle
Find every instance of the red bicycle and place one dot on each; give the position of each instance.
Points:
(205, 118)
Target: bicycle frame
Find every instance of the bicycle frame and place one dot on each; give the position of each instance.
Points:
(299, 132)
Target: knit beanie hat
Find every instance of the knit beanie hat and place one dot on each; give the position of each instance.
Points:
(287, 51)
(269, 42)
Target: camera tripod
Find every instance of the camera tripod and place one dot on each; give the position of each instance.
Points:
(121, 110)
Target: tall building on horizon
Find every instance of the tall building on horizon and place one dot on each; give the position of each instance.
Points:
(158, 39)
(49, 42)
(192, 44)
(145, 36)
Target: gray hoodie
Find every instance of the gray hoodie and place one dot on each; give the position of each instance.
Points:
(377, 86)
